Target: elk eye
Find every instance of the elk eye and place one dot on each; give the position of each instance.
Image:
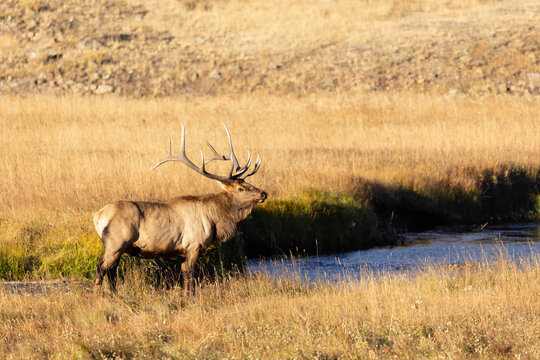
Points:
(240, 189)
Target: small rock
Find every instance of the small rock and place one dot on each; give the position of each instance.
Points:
(78, 88)
(104, 89)
(452, 93)
(94, 77)
(51, 55)
(89, 43)
(215, 74)
(534, 80)
(329, 84)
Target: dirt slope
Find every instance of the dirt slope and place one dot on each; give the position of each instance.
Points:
(170, 47)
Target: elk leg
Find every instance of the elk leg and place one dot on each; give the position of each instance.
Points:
(108, 266)
(188, 269)
(98, 280)
(111, 276)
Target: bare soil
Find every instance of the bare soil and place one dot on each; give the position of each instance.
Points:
(118, 47)
(45, 287)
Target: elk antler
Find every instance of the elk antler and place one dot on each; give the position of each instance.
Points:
(237, 172)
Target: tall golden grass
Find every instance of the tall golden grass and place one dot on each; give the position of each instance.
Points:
(255, 28)
(76, 154)
(484, 312)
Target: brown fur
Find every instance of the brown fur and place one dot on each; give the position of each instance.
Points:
(182, 226)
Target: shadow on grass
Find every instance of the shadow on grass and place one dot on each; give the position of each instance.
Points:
(504, 195)
(315, 222)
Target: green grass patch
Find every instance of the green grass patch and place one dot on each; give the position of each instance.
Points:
(44, 248)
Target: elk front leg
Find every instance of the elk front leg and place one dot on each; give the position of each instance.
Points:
(188, 269)
(108, 267)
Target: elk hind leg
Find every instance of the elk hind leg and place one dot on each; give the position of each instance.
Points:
(111, 276)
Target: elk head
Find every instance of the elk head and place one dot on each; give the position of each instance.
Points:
(243, 195)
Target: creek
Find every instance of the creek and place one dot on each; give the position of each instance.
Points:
(440, 247)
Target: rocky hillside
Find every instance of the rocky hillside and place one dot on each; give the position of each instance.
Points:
(171, 47)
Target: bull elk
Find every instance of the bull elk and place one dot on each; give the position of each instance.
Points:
(183, 226)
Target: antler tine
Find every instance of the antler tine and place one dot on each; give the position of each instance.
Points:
(203, 166)
(255, 169)
(168, 158)
(183, 142)
(244, 168)
(235, 167)
(236, 170)
(216, 156)
(182, 158)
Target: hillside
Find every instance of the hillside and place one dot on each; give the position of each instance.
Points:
(195, 47)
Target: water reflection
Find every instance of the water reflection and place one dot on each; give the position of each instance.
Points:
(517, 242)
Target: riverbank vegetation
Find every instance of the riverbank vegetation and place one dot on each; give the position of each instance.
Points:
(343, 172)
(482, 311)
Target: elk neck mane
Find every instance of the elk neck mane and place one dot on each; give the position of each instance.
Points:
(221, 209)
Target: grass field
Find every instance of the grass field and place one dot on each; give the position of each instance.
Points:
(481, 312)
(80, 153)
(463, 159)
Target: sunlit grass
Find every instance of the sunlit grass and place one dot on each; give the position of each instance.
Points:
(80, 153)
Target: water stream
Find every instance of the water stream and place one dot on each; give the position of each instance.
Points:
(516, 242)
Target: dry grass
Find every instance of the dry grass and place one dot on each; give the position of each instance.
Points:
(253, 28)
(486, 312)
(63, 154)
